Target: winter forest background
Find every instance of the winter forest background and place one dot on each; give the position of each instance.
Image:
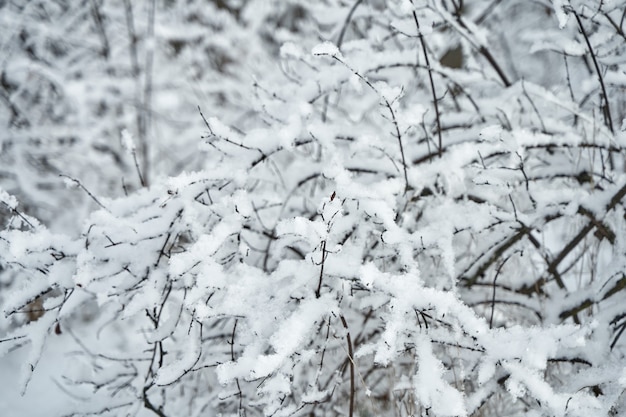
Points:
(313, 208)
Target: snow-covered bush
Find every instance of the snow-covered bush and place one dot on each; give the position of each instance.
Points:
(421, 214)
(77, 74)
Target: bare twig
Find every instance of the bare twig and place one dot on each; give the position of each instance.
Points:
(351, 364)
(97, 15)
(432, 83)
(493, 295)
(342, 33)
(572, 244)
(93, 197)
(232, 142)
(20, 215)
(148, 405)
(232, 358)
(459, 23)
(606, 108)
(347, 22)
(318, 291)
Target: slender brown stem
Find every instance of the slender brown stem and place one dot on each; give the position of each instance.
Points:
(351, 364)
(318, 291)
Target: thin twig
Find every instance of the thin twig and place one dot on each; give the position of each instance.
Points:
(475, 44)
(147, 95)
(20, 215)
(351, 364)
(342, 33)
(486, 12)
(93, 197)
(572, 244)
(606, 109)
(148, 405)
(232, 358)
(493, 295)
(100, 27)
(622, 327)
(432, 83)
(318, 291)
(347, 22)
(139, 174)
(392, 113)
(232, 142)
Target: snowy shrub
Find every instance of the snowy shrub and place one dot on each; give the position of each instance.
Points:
(420, 212)
(76, 74)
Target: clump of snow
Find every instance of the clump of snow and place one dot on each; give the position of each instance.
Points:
(406, 6)
(70, 182)
(128, 143)
(290, 50)
(430, 387)
(301, 227)
(491, 133)
(314, 396)
(9, 200)
(389, 94)
(327, 48)
(566, 46)
(243, 205)
(559, 9)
